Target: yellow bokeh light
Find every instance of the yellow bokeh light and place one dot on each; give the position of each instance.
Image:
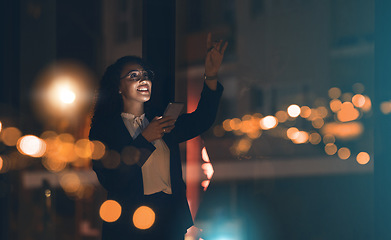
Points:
(385, 107)
(83, 148)
(70, 182)
(334, 92)
(227, 125)
(345, 131)
(317, 122)
(315, 138)
(305, 112)
(268, 122)
(367, 105)
(282, 116)
(235, 124)
(344, 153)
(363, 158)
(254, 134)
(300, 137)
(328, 138)
(292, 132)
(348, 112)
(67, 96)
(244, 145)
(358, 100)
(110, 211)
(330, 149)
(335, 105)
(10, 136)
(31, 145)
(98, 151)
(293, 110)
(54, 164)
(143, 217)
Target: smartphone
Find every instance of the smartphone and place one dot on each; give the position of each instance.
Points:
(173, 110)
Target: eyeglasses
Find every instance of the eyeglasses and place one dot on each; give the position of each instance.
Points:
(136, 75)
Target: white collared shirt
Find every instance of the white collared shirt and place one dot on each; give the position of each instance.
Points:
(156, 170)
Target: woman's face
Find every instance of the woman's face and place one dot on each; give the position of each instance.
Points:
(133, 86)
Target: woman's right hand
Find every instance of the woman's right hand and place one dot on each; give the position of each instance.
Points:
(158, 127)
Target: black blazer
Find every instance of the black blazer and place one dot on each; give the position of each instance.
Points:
(124, 182)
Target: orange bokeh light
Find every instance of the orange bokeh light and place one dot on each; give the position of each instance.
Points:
(143, 217)
(344, 153)
(358, 100)
(1, 163)
(98, 151)
(315, 138)
(31, 145)
(282, 116)
(334, 92)
(300, 137)
(335, 105)
(305, 112)
(10, 136)
(363, 158)
(268, 122)
(292, 132)
(348, 112)
(110, 211)
(330, 148)
(293, 110)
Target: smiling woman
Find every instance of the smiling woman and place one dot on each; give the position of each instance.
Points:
(153, 177)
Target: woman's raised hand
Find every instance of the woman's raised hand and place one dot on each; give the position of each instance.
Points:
(214, 55)
(157, 128)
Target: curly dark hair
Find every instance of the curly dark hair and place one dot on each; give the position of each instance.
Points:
(109, 102)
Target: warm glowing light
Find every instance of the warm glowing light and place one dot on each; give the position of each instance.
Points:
(227, 125)
(344, 131)
(305, 112)
(344, 153)
(335, 105)
(205, 155)
(300, 137)
(317, 122)
(293, 110)
(98, 151)
(10, 136)
(254, 134)
(367, 105)
(143, 217)
(363, 158)
(282, 116)
(330, 148)
(292, 132)
(31, 145)
(235, 124)
(328, 139)
(322, 111)
(110, 211)
(54, 164)
(83, 148)
(268, 122)
(334, 92)
(1, 126)
(208, 169)
(70, 182)
(205, 184)
(358, 100)
(1, 163)
(315, 138)
(385, 107)
(67, 96)
(348, 112)
(244, 145)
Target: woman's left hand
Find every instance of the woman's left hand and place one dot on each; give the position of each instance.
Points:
(214, 56)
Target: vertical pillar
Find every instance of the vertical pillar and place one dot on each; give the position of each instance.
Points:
(382, 155)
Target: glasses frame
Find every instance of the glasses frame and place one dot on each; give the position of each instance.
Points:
(150, 74)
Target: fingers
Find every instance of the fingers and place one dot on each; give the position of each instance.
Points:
(224, 48)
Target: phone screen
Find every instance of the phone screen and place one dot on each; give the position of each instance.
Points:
(173, 110)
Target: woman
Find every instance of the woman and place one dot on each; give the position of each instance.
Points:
(142, 166)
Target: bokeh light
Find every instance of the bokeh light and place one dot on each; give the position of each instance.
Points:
(70, 182)
(385, 107)
(1, 163)
(1, 126)
(348, 112)
(358, 100)
(315, 138)
(317, 122)
(31, 145)
(98, 151)
(300, 137)
(335, 105)
(143, 217)
(10, 136)
(328, 138)
(363, 158)
(268, 122)
(347, 97)
(305, 112)
(110, 211)
(227, 125)
(282, 116)
(367, 105)
(293, 110)
(344, 131)
(291, 133)
(330, 149)
(358, 88)
(83, 148)
(218, 131)
(334, 92)
(235, 123)
(344, 153)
